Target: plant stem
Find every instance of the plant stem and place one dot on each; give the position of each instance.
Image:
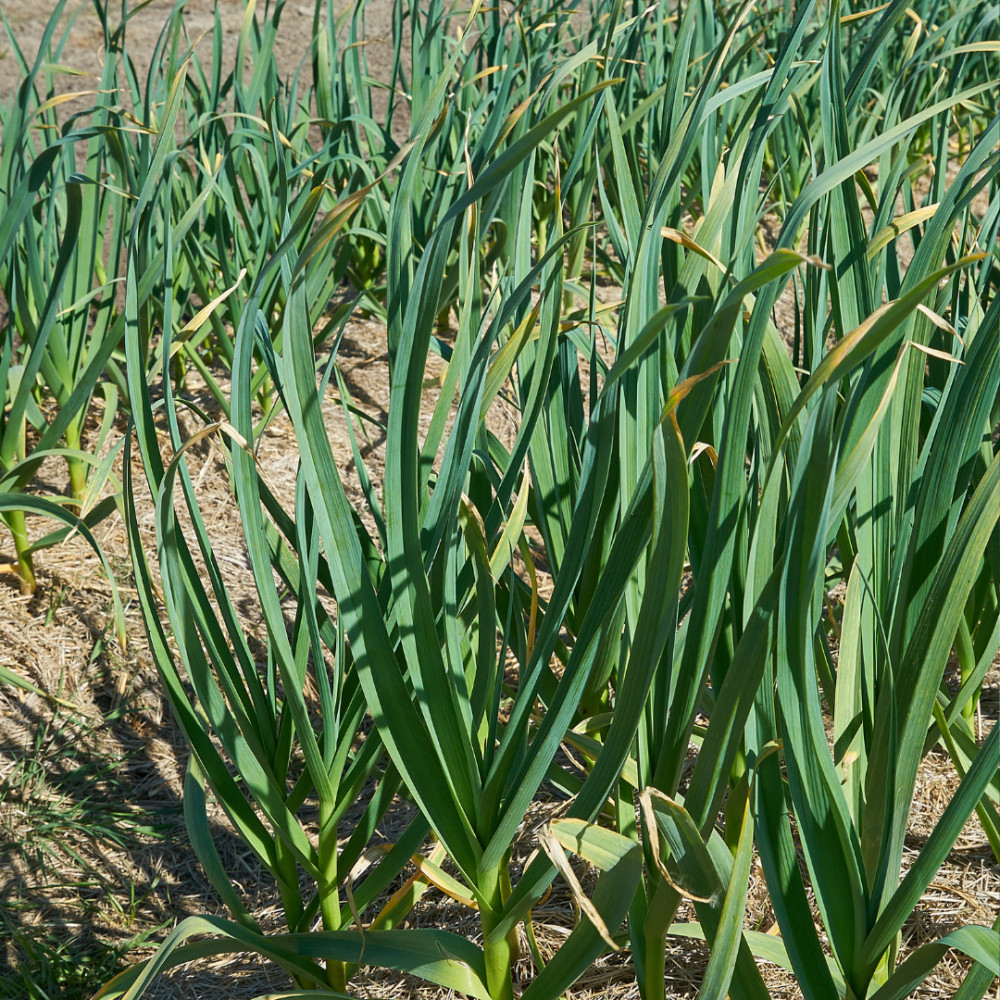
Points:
(77, 469)
(329, 898)
(22, 545)
(498, 953)
(291, 896)
(967, 665)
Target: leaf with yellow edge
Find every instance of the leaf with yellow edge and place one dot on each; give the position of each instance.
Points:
(53, 102)
(503, 360)
(682, 239)
(509, 538)
(898, 226)
(552, 847)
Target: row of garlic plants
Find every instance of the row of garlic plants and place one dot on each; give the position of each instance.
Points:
(695, 487)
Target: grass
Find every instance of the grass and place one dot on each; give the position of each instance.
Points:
(69, 916)
(762, 543)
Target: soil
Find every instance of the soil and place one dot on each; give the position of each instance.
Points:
(84, 49)
(94, 860)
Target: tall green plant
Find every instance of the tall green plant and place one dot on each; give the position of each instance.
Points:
(385, 637)
(698, 447)
(56, 334)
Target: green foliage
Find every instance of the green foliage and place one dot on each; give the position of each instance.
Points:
(766, 542)
(63, 809)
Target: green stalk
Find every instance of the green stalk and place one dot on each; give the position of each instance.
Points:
(291, 898)
(966, 665)
(659, 913)
(14, 519)
(337, 974)
(24, 565)
(77, 468)
(499, 951)
(329, 897)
